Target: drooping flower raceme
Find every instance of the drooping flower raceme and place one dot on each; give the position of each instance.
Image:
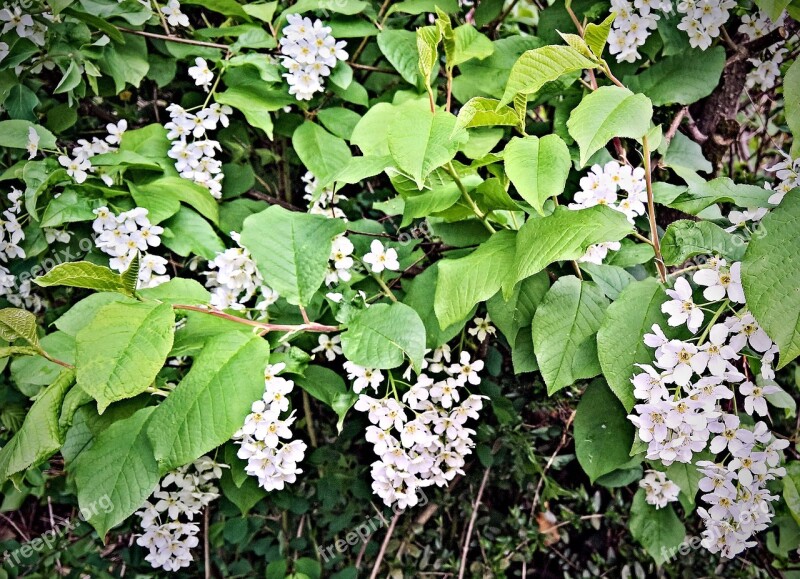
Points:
(123, 236)
(421, 439)
(688, 400)
(309, 54)
(634, 23)
(168, 517)
(659, 490)
(603, 185)
(265, 438)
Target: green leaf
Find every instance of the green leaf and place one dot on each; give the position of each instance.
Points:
(565, 234)
(125, 63)
(684, 239)
(539, 66)
(791, 489)
(40, 436)
(611, 279)
(603, 433)
(608, 112)
(291, 250)
(69, 207)
(468, 280)
(469, 44)
(245, 496)
(263, 11)
(720, 190)
(773, 8)
(483, 112)
(514, 316)
(420, 6)
(322, 153)
(596, 35)
(563, 332)
(619, 340)
(191, 234)
(771, 276)
(791, 100)
(400, 49)
(16, 324)
(328, 387)
(659, 531)
(177, 189)
(84, 274)
(122, 348)
(421, 141)
(427, 41)
(224, 7)
(209, 405)
(255, 103)
(383, 335)
(681, 79)
(420, 294)
(339, 121)
(119, 469)
(538, 168)
(14, 134)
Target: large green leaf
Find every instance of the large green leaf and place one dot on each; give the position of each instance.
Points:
(791, 100)
(565, 234)
(84, 274)
(212, 400)
(603, 433)
(681, 79)
(255, 102)
(14, 134)
(190, 234)
(383, 335)
(771, 277)
(400, 49)
(619, 340)
(608, 112)
(40, 435)
(538, 168)
(16, 324)
(468, 280)
(702, 194)
(175, 189)
(484, 112)
(564, 326)
(659, 531)
(420, 295)
(515, 315)
(120, 351)
(322, 153)
(421, 141)
(539, 66)
(685, 239)
(291, 250)
(328, 387)
(117, 473)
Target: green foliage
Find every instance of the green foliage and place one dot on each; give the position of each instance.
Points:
(538, 168)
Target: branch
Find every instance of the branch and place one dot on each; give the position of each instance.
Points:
(651, 212)
(463, 565)
(310, 327)
(177, 39)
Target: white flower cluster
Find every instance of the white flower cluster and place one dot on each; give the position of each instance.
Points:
(309, 54)
(658, 490)
(123, 236)
(175, 17)
(602, 186)
(483, 328)
(788, 172)
(431, 447)
(234, 279)
(634, 23)
(703, 20)
(11, 235)
(194, 159)
(167, 518)
(684, 393)
(79, 165)
(767, 70)
(326, 202)
(269, 458)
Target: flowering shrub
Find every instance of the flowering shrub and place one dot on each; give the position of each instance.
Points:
(270, 268)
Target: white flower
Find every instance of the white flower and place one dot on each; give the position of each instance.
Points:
(659, 491)
(33, 143)
(76, 168)
(466, 370)
(483, 327)
(682, 309)
(172, 10)
(754, 401)
(720, 282)
(115, 132)
(379, 258)
(329, 346)
(201, 73)
(363, 377)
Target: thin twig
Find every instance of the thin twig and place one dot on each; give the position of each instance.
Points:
(312, 435)
(651, 212)
(377, 566)
(16, 528)
(311, 327)
(206, 550)
(561, 444)
(465, 549)
(177, 39)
